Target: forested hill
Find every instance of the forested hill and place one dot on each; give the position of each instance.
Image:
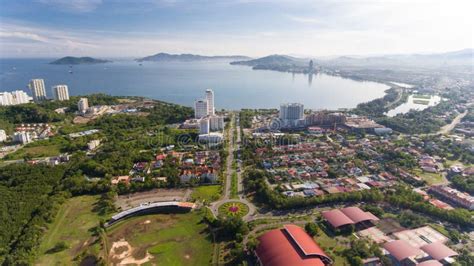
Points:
(70, 60)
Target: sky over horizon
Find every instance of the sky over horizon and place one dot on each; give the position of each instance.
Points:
(127, 28)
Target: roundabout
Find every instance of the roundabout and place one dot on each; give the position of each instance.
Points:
(233, 209)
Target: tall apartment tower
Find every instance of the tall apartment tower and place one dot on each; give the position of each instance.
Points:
(210, 102)
(20, 97)
(60, 92)
(204, 126)
(291, 111)
(200, 109)
(37, 90)
(83, 105)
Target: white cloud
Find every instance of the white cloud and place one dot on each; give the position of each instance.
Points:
(73, 5)
(331, 28)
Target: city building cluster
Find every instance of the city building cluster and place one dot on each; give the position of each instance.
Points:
(402, 246)
(14, 98)
(38, 92)
(210, 124)
(194, 167)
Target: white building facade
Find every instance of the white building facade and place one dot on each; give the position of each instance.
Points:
(83, 105)
(292, 115)
(210, 102)
(216, 123)
(204, 126)
(3, 135)
(200, 109)
(38, 90)
(291, 111)
(60, 92)
(22, 137)
(13, 98)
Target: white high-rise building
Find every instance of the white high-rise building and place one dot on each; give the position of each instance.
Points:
(200, 109)
(60, 92)
(3, 135)
(83, 105)
(204, 126)
(38, 90)
(23, 137)
(20, 97)
(216, 123)
(6, 98)
(13, 98)
(291, 111)
(210, 102)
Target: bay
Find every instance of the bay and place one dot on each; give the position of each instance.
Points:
(235, 87)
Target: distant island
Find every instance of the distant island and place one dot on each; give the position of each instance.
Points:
(70, 60)
(282, 63)
(165, 57)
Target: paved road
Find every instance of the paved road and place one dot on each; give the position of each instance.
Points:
(446, 129)
(229, 171)
(230, 159)
(399, 98)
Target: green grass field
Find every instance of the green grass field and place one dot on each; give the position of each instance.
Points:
(35, 152)
(421, 96)
(170, 239)
(233, 186)
(71, 225)
(206, 193)
(431, 178)
(332, 246)
(423, 102)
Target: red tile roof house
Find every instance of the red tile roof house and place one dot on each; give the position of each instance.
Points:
(290, 246)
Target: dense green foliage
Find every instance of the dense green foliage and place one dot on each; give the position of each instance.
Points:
(312, 229)
(378, 107)
(29, 200)
(44, 112)
(464, 183)
(361, 249)
(31, 194)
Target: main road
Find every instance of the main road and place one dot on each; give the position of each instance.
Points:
(232, 147)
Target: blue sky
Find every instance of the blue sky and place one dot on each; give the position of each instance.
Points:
(132, 28)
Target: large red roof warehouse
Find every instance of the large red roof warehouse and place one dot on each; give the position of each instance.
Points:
(290, 245)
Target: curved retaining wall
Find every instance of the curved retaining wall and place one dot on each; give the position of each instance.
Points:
(169, 206)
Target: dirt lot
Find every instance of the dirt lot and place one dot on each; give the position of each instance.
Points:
(132, 200)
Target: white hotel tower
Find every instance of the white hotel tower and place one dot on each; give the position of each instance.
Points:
(210, 102)
(37, 90)
(200, 109)
(60, 92)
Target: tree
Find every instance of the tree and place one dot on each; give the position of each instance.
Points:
(312, 229)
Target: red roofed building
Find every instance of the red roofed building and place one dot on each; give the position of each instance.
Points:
(290, 245)
(357, 215)
(400, 251)
(438, 251)
(337, 218)
(346, 216)
(430, 263)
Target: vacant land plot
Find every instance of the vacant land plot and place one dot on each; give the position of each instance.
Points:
(35, 152)
(432, 178)
(206, 193)
(161, 239)
(72, 226)
(133, 200)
